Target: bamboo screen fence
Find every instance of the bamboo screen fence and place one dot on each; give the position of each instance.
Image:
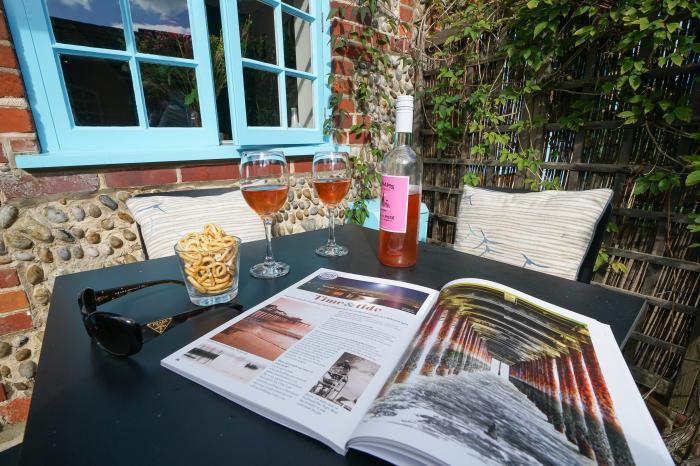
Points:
(653, 241)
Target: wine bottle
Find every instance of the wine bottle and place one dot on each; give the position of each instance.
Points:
(399, 212)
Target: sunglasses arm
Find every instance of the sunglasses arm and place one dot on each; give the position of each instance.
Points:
(158, 327)
(104, 296)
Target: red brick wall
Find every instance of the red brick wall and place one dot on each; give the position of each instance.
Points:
(16, 134)
(345, 23)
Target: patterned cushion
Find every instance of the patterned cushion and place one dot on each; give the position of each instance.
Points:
(165, 219)
(548, 231)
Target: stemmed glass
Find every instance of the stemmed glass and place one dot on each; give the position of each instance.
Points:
(265, 184)
(331, 177)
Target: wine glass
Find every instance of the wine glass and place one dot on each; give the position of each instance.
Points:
(331, 178)
(265, 184)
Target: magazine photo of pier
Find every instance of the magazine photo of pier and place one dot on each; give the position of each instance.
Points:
(344, 382)
(507, 382)
(273, 329)
(395, 297)
(234, 364)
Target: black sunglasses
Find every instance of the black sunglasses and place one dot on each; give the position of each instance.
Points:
(123, 336)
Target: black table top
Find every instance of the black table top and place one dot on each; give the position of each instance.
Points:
(90, 408)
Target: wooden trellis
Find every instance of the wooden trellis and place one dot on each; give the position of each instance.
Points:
(652, 241)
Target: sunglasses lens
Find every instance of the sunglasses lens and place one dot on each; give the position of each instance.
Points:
(113, 334)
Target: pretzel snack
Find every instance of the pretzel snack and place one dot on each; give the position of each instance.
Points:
(209, 259)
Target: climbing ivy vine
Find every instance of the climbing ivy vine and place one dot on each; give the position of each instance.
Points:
(542, 43)
(518, 53)
(368, 49)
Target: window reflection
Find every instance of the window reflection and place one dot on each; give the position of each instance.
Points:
(218, 65)
(300, 102)
(87, 22)
(100, 91)
(297, 42)
(256, 22)
(303, 5)
(162, 27)
(171, 95)
(261, 98)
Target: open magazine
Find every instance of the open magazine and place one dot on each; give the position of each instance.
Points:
(477, 373)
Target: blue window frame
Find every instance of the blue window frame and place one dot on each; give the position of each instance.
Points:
(284, 64)
(110, 81)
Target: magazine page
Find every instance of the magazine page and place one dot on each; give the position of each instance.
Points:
(314, 356)
(495, 376)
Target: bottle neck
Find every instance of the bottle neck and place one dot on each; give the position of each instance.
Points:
(403, 139)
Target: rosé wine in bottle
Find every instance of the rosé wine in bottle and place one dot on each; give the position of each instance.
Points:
(399, 212)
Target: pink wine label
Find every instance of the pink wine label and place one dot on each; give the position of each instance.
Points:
(393, 212)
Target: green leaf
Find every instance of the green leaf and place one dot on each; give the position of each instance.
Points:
(626, 114)
(532, 4)
(582, 30)
(676, 59)
(471, 179)
(618, 267)
(643, 23)
(601, 259)
(640, 187)
(191, 97)
(627, 64)
(665, 105)
(693, 178)
(683, 113)
(540, 27)
(635, 81)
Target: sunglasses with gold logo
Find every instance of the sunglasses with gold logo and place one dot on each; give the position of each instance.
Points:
(123, 336)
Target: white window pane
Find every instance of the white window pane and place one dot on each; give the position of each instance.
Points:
(297, 43)
(300, 102)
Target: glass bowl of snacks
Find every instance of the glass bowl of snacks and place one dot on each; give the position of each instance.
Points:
(209, 264)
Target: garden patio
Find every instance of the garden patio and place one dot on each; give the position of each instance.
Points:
(103, 104)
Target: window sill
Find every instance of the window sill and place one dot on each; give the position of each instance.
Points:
(118, 158)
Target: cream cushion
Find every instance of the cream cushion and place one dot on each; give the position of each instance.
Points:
(549, 231)
(166, 219)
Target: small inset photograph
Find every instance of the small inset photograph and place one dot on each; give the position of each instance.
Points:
(344, 382)
(233, 364)
(273, 329)
(395, 297)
